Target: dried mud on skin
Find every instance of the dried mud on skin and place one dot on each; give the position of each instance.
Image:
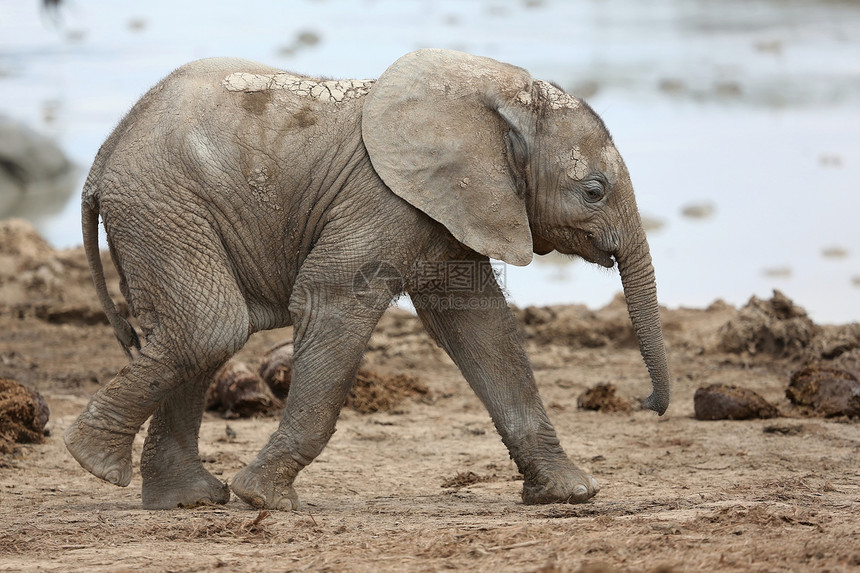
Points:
(677, 494)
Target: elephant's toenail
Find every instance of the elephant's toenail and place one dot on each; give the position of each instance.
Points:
(112, 477)
(580, 491)
(594, 485)
(285, 505)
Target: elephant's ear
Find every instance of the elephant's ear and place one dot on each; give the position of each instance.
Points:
(434, 128)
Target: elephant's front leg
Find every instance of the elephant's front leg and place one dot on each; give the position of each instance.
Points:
(478, 331)
(331, 331)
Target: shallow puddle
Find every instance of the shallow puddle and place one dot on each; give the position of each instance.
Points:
(738, 120)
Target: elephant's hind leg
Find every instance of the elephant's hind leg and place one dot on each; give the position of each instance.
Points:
(102, 436)
(169, 382)
(173, 474)
(195, 318)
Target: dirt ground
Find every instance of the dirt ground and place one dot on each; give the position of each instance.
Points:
(428, 485)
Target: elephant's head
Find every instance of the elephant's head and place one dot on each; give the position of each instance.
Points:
(512, 166)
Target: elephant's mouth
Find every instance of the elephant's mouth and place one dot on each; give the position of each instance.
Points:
(582, 244)
(599, 257)
(602, 259)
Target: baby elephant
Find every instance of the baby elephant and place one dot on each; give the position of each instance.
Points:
(237, 198)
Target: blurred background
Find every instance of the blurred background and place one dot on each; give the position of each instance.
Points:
(738, 119)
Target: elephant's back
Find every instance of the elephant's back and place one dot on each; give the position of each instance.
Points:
(185, 101)
(193, 88)
(222, 64)
(211, 71)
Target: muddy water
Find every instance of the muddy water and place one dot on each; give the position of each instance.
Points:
(738, 119)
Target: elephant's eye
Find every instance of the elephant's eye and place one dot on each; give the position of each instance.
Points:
(593, 189)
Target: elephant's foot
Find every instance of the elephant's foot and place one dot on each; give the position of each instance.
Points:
(104, 453)
(267, 485)
(173, 475)
(562, 484)
(183, 489)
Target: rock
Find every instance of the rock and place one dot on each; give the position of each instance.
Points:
(603, 399)
(776, 326)
(276, 369)
(27, 156)
(724, 402)
(238, 392)
(34, 172)
(828, 391)
(23, 415)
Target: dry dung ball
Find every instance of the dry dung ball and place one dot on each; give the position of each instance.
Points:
(602, 398)
(23, 415)
(577, 326)
(376, 392)
(276, 369)
(828, 391)
(238, 392)
(725, 402)
(371, 391)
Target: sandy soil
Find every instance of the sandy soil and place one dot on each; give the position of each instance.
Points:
(428, 485)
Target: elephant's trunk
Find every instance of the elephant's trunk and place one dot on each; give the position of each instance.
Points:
(640, 290)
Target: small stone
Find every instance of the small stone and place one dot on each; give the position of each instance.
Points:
(725, 402)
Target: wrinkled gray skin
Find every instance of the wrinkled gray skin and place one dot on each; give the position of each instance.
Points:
(238, 198)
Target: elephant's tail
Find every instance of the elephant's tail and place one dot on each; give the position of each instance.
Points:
(125, 332)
